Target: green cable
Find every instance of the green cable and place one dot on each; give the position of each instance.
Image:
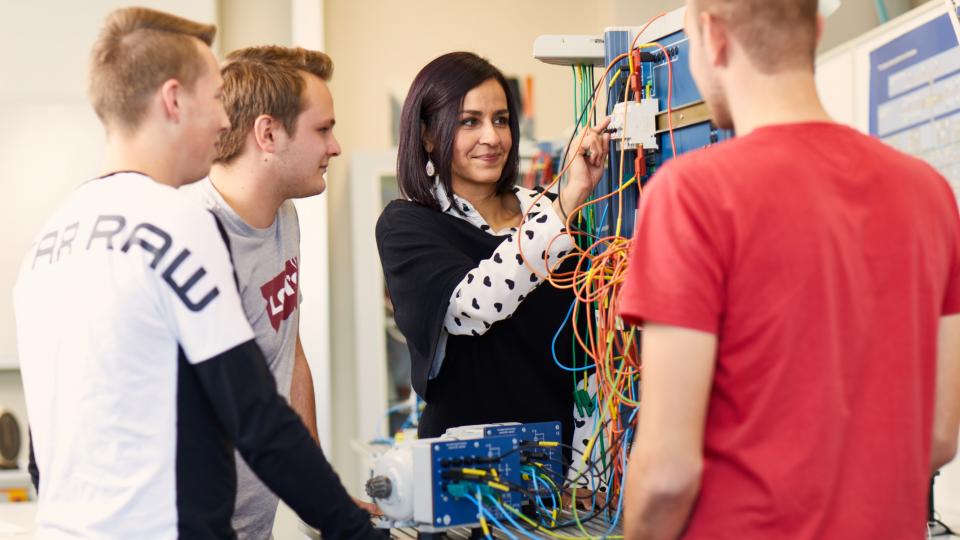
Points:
(576, 513)
(575, 109)
(592, 96)
(580, 91)
(583, 102)
(586, 94)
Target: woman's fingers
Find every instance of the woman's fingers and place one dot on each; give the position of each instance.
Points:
(601, 152)
(602, 126)
(595, 143)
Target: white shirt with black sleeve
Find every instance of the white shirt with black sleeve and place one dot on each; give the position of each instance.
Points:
(141, 376)
(506, 277)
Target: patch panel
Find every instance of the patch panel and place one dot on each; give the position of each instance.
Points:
(433, 484)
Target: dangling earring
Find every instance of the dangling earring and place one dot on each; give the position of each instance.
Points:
(431, 170)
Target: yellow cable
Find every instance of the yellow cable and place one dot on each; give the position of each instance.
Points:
(593, 439)
(483, 520)
(498, 486)
(615, 77)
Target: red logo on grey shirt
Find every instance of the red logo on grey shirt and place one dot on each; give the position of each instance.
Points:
(281, 294)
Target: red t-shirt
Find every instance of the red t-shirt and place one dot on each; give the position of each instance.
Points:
(822, 259)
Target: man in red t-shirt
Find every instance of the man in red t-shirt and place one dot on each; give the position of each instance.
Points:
(797, 287)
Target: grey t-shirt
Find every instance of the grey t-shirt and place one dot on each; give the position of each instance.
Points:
(266, 262)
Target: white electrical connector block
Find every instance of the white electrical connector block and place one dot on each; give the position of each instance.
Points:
(406, 470)
(641, 123)
(569, 50)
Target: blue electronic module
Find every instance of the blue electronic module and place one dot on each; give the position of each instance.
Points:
(540, 453)
(453, 476)
(664, 74)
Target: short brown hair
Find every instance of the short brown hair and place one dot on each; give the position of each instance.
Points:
(266, 80)
(776, 34)
(137, 50)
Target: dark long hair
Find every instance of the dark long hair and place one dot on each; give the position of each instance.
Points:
(434, 102)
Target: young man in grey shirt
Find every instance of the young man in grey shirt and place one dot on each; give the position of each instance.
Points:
(277, 149)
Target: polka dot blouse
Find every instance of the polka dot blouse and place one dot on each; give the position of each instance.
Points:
(494, 289)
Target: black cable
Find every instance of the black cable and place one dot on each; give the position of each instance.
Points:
(609, 500)
(568, 483)
(614, 443)
(593, 466)
(563, 160)
(596, 513)
(530, 444)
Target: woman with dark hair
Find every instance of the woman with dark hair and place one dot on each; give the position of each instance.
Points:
(478, 324)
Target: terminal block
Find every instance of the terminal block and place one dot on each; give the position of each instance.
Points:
(635, 123)
(429, 483)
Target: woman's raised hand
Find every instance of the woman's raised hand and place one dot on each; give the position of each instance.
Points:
(586, 168)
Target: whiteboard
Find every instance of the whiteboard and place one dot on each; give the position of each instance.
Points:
(844, 73)
(893, 83)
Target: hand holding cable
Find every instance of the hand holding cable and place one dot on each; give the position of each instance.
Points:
(586, 168)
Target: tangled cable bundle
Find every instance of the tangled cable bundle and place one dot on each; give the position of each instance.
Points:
(604, 349)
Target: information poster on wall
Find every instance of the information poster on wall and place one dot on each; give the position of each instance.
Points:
(915, 95)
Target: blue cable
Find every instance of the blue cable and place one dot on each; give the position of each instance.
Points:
(553, 343)
(616, 516)
(623, 449)
(506, 514)
(536, 487)
(609, 479)
(556, 336)
(553, 499)
(490, 516)
(480, 511)
(603, 217)
(396, 408)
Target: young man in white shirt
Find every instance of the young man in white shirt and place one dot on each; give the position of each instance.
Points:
(140, 369)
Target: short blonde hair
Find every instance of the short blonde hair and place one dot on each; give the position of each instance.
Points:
(137, 50)
(776, 34)
(266, 80)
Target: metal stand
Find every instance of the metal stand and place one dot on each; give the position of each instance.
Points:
(935, 527)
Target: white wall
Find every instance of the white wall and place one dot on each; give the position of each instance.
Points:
(51, 141)
(244, 23)
(855, 17)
